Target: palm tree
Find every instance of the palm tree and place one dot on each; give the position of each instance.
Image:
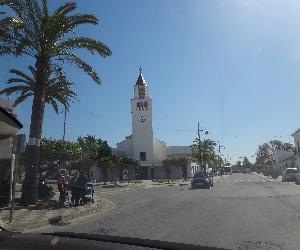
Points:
(50, 39)
(57, 89)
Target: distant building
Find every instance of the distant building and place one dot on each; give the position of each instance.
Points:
(283, 159)
(141, 144)
(296, 136)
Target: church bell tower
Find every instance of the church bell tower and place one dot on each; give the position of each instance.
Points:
(142, 132)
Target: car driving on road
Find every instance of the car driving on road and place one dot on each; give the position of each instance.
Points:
(202, 179)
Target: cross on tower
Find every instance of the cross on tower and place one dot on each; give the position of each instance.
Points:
(140, 70)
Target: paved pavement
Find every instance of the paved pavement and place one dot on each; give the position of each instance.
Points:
(240, 209)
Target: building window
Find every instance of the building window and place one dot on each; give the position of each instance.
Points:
(146, 105)
(142, 156)
(138, 106)
(298, 147)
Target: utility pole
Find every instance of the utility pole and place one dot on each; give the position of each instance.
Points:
(220, 146)
(199, 146)
(65, 118)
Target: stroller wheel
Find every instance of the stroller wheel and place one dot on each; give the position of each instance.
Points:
(93, 201)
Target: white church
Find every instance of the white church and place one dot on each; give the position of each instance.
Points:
(142, 145)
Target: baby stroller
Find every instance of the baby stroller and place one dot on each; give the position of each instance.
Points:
(89, 194)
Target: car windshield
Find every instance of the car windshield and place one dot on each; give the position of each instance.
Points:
(110, 110)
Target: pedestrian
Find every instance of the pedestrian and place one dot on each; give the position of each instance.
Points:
(62, 185)
(74, 189)
(81, 183)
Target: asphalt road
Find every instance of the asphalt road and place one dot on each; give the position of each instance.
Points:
(240, 209)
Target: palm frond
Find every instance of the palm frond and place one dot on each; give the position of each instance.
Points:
(81, 64)
(13, 89)
(84, 43)
(21, 74)
(22, 98)
(54, 105)
(65, 8)
(20, 80)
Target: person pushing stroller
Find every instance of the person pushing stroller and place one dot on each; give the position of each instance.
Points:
(78, 186)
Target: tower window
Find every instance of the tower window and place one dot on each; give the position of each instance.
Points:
(146, 105)
(141, 92)
(138, 106)
(142, 156)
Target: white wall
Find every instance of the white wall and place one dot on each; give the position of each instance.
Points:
(95, 173)
(125, 147)
(159, 150)
(296, 136)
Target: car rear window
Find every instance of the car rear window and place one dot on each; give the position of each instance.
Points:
(291, 171)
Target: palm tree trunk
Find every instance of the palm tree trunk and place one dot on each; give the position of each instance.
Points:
(29, 188)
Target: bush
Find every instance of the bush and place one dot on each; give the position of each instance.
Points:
(45, 192)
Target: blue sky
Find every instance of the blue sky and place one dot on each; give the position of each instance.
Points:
(232, 65)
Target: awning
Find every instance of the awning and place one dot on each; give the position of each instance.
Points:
(9, 125)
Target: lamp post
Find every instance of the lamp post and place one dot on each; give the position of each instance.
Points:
(219, 149)
(198, 140)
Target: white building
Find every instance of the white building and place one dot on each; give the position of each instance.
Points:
(286, 159)
(142, 145)
(296, 136)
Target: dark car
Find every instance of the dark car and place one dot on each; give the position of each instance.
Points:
(202, 179)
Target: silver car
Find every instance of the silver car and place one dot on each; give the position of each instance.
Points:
(289, 174)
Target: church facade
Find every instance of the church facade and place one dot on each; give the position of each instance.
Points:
(142, 145)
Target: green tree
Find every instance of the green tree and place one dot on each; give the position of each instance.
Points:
(183, 162)
(90, 146)
(30, 29)
(288, 147)
(167, 165)
(207, 156)
(55, 153)
(263, 156)
(247, 163)
(105, 158)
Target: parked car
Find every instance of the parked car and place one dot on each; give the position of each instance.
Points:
(202, 179)
(289, 174)
(297, 176)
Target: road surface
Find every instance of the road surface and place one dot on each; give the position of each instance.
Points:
(239, 208)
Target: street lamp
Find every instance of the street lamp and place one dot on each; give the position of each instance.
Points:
(198, 140)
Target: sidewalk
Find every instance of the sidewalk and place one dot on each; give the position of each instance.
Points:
(32, 218)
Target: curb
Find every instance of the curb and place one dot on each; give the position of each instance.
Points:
(101, 205)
